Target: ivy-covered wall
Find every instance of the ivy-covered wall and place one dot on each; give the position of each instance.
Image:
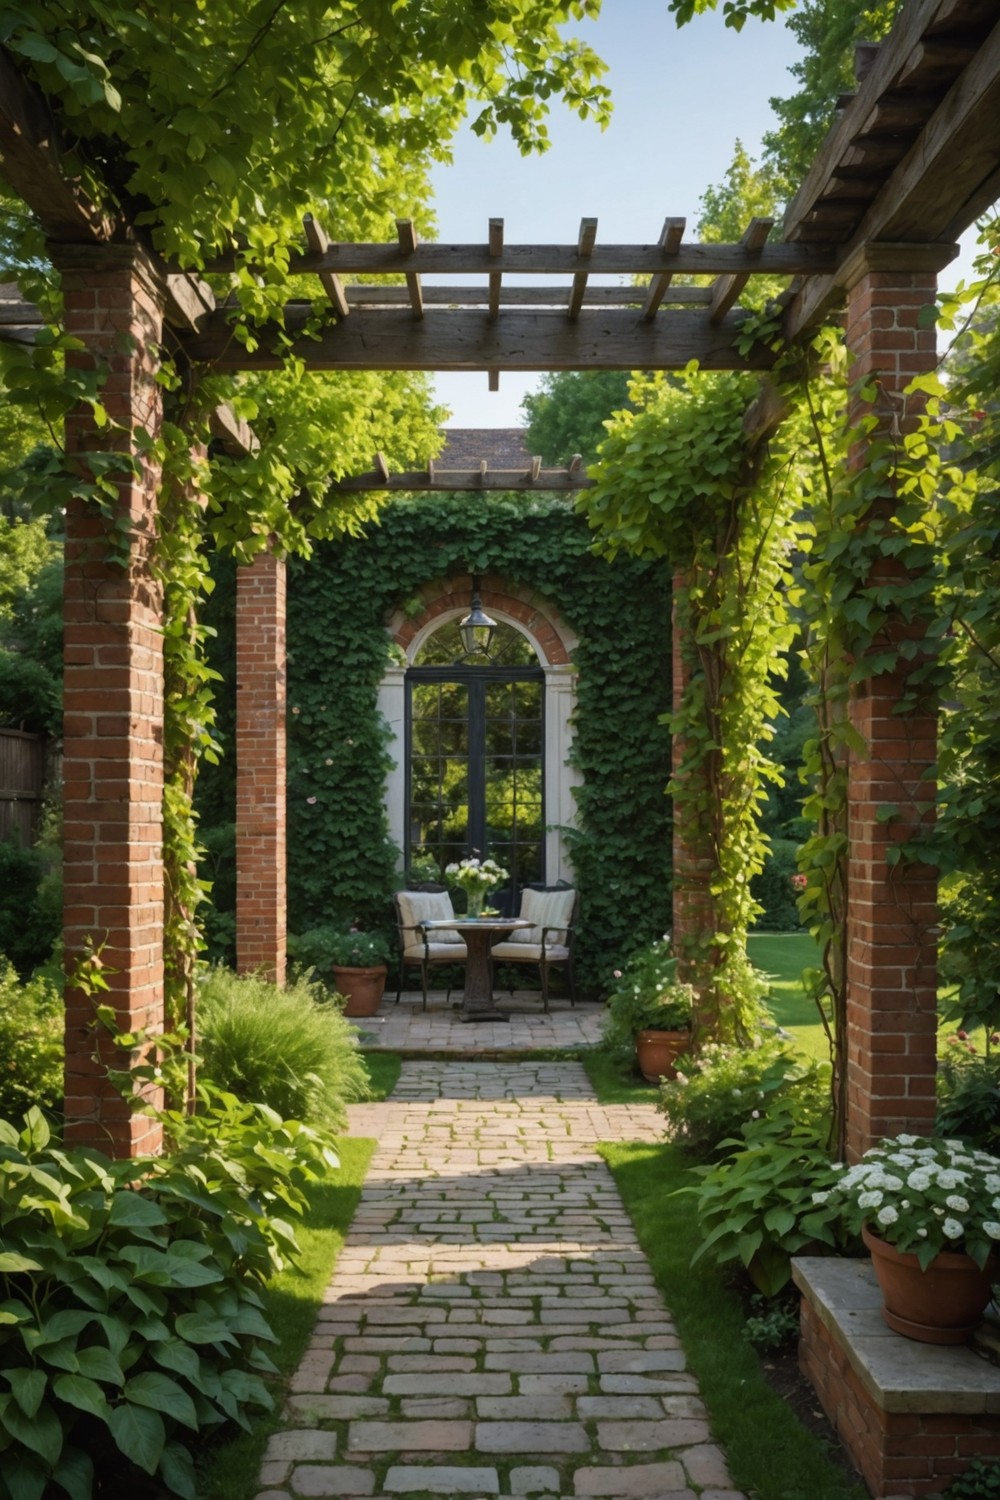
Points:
(341, 862)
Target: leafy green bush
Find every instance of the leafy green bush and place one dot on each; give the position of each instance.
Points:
(30, 906)
(771, 1323)
(290, 1049)
(726, 1088)
(774, 891)
(645, 994)
(31, 1042)
(968, 1087)
(129, 1316)
(980, 1481)
(757, 1206)
(348, 948)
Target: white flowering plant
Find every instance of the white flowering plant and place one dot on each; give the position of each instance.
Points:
(475, 874)
(923, 1195)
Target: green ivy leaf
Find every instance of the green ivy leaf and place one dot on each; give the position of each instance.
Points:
(139, 1434)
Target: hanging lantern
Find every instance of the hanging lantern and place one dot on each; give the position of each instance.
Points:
(477, 629)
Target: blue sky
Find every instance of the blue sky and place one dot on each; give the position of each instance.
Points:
(682, 97)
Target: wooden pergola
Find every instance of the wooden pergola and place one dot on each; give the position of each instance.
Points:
(912, 159)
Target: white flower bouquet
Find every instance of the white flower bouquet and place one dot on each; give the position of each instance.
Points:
(923, 1196)
(475, 875)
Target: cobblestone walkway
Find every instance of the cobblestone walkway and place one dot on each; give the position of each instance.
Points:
(492, 1327)
(407, 1027)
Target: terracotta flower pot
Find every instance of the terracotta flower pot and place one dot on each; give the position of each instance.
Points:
(942, 1305)
(657, 1051)
(361, 988)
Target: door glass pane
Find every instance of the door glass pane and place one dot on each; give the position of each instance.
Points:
(439, 771)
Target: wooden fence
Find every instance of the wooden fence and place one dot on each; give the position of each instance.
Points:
(22, 779)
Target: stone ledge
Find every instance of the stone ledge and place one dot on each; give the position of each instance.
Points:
(900, 1374)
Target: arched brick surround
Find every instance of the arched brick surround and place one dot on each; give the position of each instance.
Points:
(445, 598)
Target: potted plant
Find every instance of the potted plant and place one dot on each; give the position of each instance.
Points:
(929, 1213)
(358, 961)
(475, 877)
(649, 1011)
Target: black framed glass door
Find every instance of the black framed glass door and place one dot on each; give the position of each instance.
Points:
(475, 759)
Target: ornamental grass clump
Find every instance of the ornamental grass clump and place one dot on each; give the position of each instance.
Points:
(923, 1195)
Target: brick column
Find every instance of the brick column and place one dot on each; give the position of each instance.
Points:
(261, 910)
(891, 954)
(113, 730)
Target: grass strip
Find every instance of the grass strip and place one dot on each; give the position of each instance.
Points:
(383, 1073)
(770, 1453)
(291, 1302)
(617, 1081)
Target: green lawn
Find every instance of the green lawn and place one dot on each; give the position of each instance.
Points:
(783, 956)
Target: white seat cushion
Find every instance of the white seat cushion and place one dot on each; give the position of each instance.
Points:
(452, 952)
(427, 906)
(529, 953)
(552, 909)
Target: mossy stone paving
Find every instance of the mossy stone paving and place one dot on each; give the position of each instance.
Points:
(492, 1327)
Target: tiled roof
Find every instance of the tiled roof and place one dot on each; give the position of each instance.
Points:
(467, 447)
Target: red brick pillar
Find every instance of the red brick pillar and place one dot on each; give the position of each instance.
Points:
(261, 909)
(113, 730)
(891, 956)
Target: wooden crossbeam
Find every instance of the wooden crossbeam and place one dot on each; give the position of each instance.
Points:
(727, 288)
(407, 233)
(439, 259)
(671, 236)
(434, 478)
(318, 241)
(459, 339)
(494, 380)
(584, 249)
(234, 433)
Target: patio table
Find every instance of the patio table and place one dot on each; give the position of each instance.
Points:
(478, 934)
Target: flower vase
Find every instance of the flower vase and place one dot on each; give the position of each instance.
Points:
(942, 1305)
(474, 905)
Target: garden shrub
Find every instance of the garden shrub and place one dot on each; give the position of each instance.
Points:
(129, 1315)
(980, 1481)
(968, 1089)
(290, 1049)
(773, 889)
(30, 906)
(31, 1042)
(647, 975)
(757, 1206)
(725, 1088)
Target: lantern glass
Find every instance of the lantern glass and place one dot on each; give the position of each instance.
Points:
(477, 628)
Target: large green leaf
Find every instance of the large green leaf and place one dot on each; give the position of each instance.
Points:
(173, 1354)
(11, 1261)
(100, 1364)
(161, 1393)
(177, 1470)
(135, 1210)
(27, 1388)
(26, 1479)
(197, 1328)
(42, 1433)
(139, 1434)
(76, 1474)
(79, 1391)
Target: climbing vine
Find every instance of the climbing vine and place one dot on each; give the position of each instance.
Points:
(678, 479)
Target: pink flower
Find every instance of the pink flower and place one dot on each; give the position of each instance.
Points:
(799, 882)
(618, 973)
(311, 801)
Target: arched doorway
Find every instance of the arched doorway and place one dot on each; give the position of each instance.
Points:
(475, 761)
(536, 648)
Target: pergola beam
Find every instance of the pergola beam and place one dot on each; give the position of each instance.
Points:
(439, 259)
(392, 339)
(436, 479)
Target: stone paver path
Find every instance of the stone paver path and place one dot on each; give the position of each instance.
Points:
(407, 1027)
(492, 1327)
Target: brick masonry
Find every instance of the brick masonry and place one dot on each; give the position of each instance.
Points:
(911, 1453)
(891, 959)
(113, 725)
(445, 597)
(260, 768)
